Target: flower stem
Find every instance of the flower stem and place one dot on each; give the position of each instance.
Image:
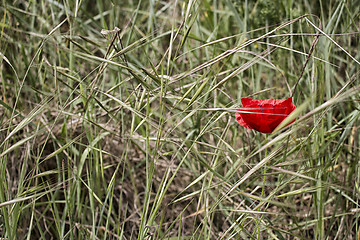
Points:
(264, 178)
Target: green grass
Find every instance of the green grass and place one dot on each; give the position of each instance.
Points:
(118, 120)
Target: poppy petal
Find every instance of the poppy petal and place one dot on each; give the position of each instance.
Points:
(241, 121)
(264, 115)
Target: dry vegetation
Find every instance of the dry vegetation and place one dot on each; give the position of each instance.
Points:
(117, 120)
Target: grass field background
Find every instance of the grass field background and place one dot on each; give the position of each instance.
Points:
(118, 119)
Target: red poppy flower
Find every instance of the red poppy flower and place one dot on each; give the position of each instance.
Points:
(264, 115)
